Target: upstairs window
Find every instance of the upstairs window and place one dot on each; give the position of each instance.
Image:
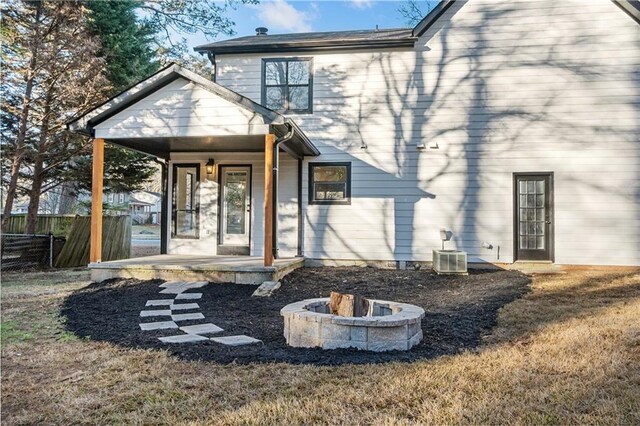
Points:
(287, 84)
(329, 183)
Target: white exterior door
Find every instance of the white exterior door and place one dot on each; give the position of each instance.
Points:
(235, 205)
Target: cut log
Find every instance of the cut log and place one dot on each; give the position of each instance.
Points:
(348, 305)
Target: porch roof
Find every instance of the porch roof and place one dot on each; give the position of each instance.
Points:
(177, 110)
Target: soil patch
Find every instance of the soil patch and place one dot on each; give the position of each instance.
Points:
(460, 310)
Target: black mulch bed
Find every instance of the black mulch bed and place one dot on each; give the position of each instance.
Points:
(459, 311)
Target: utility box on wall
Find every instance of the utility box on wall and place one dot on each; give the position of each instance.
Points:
(450, 262)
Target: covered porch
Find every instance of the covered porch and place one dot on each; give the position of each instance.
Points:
(222, 156)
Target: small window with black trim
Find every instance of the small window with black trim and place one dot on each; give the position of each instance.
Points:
(287, 84)
(329, 183)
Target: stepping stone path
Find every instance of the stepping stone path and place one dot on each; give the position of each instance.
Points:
(180, 302)
(235, 340)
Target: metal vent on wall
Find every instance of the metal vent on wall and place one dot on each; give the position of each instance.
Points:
(450, 261)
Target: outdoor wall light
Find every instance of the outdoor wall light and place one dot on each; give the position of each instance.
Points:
(209, 166)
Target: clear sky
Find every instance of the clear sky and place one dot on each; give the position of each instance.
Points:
(287, 16)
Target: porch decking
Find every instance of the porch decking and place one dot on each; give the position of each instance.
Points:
(176, 267)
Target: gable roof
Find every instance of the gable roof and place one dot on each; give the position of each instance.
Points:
(631, 7)
(144, 88)
(279, 123)
(431, 17)
(329, 40)
(356, 39)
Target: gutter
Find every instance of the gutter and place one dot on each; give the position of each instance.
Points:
(309, 47)
(274, 188)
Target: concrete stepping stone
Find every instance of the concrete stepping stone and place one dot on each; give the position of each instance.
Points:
(266, 289)
(180, 287)
(189, 284)
(161, 302)
(160, 325)
(183, 338)
(201, 329)
(188, 296)
(171, 283)
(236, 340)
(155, 313)
(173, 290)
(187, 317)
(183, 306)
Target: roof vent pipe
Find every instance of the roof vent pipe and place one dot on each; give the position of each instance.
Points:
(261, 31)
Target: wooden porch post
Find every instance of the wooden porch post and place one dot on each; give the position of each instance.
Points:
(268, 199)
(95, 253)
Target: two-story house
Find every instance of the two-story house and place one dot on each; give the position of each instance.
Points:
(514, 125)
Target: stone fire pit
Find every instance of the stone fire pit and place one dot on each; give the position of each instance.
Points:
(388, 326)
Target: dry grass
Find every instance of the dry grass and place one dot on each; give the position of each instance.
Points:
(567, 353)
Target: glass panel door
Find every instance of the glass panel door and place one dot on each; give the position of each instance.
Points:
(186, 205)
(235, 205)
(533, 217)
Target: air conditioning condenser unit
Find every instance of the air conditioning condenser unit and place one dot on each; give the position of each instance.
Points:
(450, 262)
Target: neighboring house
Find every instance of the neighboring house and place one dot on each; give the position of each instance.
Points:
(117, 201)
(20, 208)
(515, 125)
(143, 206)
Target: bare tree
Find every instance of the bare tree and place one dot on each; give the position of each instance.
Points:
(24, 25)
(414, 10)
(66, 80)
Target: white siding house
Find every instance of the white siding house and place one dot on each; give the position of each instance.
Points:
(515, 125)
(492, 89)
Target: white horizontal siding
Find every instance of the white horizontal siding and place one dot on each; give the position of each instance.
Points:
(209, 192)
(499, 88)
(181, 109)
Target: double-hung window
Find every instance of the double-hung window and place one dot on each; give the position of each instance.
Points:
(287, 84)
(329, 183)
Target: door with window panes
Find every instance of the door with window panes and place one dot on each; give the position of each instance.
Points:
(533, 216)
(235, 207)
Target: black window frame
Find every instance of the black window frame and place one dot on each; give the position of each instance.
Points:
(346, 200)
(264, 85)
(174, 210)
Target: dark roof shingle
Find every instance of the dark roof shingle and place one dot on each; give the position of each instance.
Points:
(312, 41)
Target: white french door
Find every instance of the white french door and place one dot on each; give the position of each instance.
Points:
(235, 205)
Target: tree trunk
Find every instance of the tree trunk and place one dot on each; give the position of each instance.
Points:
(67, 201)
(24, 118)
(38, 168)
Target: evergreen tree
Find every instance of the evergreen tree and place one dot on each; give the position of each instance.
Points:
(49, 76)
(127, 49)
(126, 44)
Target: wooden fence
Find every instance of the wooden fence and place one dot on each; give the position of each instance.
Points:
(116, 241)
(59, 225)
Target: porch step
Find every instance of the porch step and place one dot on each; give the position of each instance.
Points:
(180, 269)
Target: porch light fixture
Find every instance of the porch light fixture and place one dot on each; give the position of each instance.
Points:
(209, 166)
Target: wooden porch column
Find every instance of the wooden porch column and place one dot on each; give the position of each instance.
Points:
(268, 199)
(95, 253)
